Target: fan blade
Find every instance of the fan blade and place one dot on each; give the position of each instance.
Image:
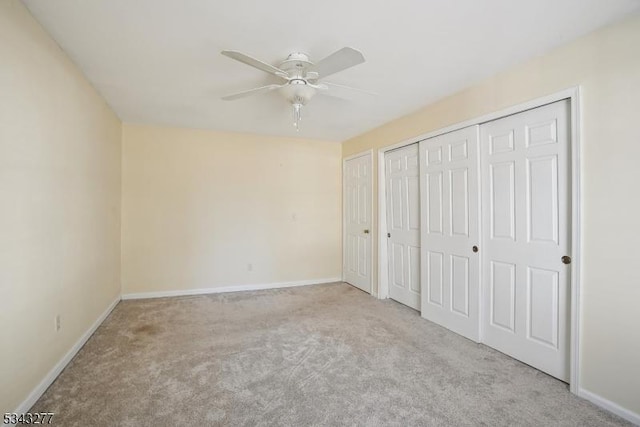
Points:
(339, 90)
(319, 86)
(256, 63)
(340, 60)
(249, 92)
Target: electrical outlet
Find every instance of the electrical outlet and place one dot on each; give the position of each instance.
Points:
(249, 267)
(57, 322)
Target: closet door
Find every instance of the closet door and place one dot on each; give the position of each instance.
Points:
(403, 224)
(526, 228)
(449, 223)
(357, 214)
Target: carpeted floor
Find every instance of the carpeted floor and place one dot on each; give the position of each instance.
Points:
(326, 355)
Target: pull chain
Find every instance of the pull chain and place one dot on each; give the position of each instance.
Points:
(297, 110)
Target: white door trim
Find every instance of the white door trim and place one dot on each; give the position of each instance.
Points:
(573, 95)
(344, 216)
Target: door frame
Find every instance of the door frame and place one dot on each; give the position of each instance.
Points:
(344, 215)
(573, 94)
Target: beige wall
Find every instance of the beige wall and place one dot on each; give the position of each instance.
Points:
(607, 66)
(60, 204)
(199, 206)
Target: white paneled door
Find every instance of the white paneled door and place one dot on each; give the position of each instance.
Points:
(450, 231)
(403, 224)
(357, 216)
(526, 229)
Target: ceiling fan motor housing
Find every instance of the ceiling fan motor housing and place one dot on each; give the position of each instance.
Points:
(296, 62)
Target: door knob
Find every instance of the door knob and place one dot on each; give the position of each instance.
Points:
(366, 231)
(566, 259)
(474, 249)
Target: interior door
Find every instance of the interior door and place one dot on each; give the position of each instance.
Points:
(449, 224)
(526, 222)
(403, 224)
(357, 228)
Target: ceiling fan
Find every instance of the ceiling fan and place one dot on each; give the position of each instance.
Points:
(302, 76)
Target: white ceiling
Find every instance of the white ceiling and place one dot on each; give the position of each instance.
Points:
(158, 61)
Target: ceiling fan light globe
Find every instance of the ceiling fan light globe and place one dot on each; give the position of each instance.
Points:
(298, 93)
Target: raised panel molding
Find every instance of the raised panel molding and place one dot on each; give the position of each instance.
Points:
(458, 151)
(459, 202)
(542, 307)
(542, 133)
(398, 261)
(434, 213)
(435, 261)
(434, 156)
(362, 259)
(397, 217)
(353, 253)
(542, 199)
(363, 204)
(413, 187)
(460, 285)
(503, 295)
(412, 163)
(395, 165)
(414, 268)
(502, 200)
(501, 143)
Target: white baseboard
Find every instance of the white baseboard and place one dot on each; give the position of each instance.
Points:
(610, 406)
(55, 371)
(238, 288)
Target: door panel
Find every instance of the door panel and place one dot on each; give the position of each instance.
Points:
(502, 200)
(459, 202)
(450, 228)
(543, 289)
(358, 193)
(435, 281)
(413, 189)
(542, 194)
(460, 285)
(403, 224)
(433, 181)
(503, 297)
(525, 172)
(397, 265)
(414, 268)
